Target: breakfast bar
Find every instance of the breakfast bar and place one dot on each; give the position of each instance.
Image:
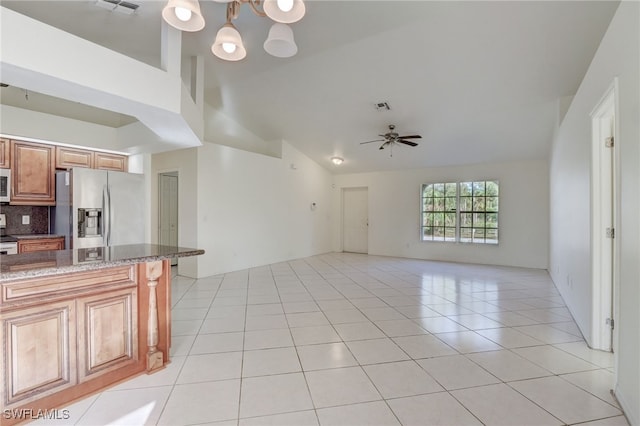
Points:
(77, 321)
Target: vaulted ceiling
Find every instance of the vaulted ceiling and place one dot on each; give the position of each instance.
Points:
(480, 81)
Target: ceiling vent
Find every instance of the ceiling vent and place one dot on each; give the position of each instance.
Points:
(118, 6)
(382, 106)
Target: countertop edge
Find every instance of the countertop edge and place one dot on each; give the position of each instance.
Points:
(7, 277)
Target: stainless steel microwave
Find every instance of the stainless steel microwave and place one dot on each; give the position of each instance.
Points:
(5, 185)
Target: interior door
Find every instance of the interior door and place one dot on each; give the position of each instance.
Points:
(168, 210)
(603, 219)
(355, 220)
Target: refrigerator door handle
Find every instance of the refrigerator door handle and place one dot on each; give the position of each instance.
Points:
(104, 215)
(109, 212)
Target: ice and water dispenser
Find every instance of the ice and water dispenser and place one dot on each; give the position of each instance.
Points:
(89, 223)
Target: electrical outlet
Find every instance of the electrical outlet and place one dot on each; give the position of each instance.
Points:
(3, 220)
(26, 219)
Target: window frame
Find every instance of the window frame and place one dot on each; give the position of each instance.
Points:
(473, 213)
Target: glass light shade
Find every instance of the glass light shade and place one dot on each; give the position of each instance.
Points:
(337, 160)
(296, 13)
(195, 21)
(280, 42)
(228, 35)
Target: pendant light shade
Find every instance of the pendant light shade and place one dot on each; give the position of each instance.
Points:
(184, 15)
(274, 11)
(280, 42)
(228, 44)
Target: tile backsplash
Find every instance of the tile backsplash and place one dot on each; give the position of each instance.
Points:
(38, 219)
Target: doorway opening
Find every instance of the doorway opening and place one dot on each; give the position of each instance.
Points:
(168, 210)
(355, 220)
(604, 202)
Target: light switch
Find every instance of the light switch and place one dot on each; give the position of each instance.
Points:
(26, 219)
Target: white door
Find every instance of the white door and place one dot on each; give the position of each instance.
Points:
(603, 213)
(168, 210)
(355, 220)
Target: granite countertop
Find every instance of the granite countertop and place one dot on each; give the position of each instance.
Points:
(35, 236)
(46, 263)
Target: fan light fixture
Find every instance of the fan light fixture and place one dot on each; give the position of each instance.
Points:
(185, 15)
(337, 160)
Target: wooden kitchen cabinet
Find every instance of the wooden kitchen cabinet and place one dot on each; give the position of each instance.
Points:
(72, 157)
(115, 162)
(107, 338)
(45, 338)
(40, 244)
(69, 335)
(5, 153)
(32, 174)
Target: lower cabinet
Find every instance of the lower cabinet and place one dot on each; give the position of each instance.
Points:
(51, 348)
(108, 339)
(46, 339)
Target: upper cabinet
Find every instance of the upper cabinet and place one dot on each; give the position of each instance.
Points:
(32, 174)
(33, 167)
(104, 161)
(5, 153)
(72, 157)
(67, 158)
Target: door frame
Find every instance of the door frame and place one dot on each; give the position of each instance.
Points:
(176, 173)
(343, 190)
(604, 292)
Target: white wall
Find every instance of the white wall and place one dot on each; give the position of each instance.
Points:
(394, 213)
(255, 209)
(48, 127)
(618, 55)
(184, 162)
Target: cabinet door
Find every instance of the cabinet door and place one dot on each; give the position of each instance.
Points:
(108, 332)
(72, 157)
(41, 244)
(115, 162)
(32, 174)
(39, 352)
(5, 154)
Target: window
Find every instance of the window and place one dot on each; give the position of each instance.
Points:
(460, 211)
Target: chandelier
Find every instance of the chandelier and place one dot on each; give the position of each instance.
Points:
(185, 15)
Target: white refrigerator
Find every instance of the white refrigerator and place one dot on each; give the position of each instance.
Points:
(96, 208)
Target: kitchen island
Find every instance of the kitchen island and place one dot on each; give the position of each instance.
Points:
(77, 321)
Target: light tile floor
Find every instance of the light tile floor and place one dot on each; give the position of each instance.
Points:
(347, 339)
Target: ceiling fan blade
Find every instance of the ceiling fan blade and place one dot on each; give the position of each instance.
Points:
(384, 144)
(410, 137)
(377, 140)
(407, 142)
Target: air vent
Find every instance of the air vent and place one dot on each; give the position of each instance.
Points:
(382, 106)
(118, 6)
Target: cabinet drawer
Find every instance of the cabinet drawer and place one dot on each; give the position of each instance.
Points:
(42, 244)
(56, 286)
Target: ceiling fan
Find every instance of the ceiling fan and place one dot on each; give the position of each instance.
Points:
(392, 137)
